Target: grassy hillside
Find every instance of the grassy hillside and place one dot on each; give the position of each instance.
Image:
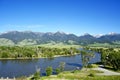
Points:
(114, 45)
(27, 42)
(59, 45)
(6, 42)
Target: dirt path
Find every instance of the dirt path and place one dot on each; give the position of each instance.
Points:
(106, 72)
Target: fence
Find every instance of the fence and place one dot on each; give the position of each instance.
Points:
(7, 78)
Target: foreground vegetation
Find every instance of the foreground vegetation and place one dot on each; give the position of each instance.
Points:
(80, 75)
(75, 75)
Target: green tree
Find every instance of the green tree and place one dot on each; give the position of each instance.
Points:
(113, 59)
(110, 57)
(5, 55)
(86, 57)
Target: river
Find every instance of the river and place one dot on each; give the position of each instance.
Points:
(17, 68)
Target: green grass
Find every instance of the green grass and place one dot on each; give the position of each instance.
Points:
(79, 77)
(92, 66)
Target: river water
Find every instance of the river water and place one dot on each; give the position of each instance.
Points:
(17, 68)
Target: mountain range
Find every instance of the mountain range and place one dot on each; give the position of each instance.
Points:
(34, 38)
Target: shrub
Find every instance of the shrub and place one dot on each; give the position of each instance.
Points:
(89, 66)
(92, 66)
(58, 70)
(91, 75)
(36, 76)
(48, 71)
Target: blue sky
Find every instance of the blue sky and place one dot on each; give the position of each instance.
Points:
(70, 16)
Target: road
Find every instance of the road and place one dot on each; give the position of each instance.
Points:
(106, 72)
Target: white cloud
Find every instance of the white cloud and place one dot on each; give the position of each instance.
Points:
(14, 26)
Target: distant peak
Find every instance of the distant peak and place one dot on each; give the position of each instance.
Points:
(49, 33)
(98, 35)
(85, 34)
(61, 32)
(27, 31)
(112, 33)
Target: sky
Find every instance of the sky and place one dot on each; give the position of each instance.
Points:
(70, 16)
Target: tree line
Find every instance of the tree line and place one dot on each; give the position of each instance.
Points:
(34, 52)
